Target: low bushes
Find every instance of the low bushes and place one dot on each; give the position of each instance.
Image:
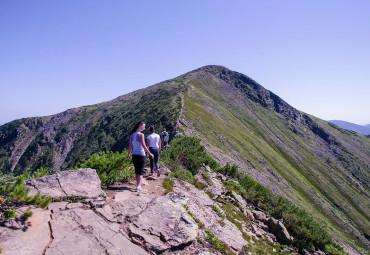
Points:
(187, 152)
(306, 231)
(13, 195)
(111, 167)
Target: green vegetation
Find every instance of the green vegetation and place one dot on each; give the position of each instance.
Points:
(218, 211)
(306, 231)
(111, 167)
(217, 244)
(185, 175)
(255, 129)
(168, 185)
(188, 153)
(13, 195)
(94, 128)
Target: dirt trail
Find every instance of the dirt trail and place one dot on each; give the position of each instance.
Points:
(153, 186)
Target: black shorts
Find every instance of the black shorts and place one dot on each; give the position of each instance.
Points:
(139, 164)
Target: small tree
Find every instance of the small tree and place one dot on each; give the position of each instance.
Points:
(13, 194)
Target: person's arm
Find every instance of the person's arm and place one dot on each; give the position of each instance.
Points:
(159, 144)
(129, 148)
(144, 146)
(148, 142)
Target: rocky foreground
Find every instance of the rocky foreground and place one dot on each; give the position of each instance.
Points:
(86, 220)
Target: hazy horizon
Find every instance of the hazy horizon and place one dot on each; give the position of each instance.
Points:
(58, 55)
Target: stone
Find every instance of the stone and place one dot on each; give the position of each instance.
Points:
(129, 207)
(164, 224)
(259, 216)
(215, 187)
(31, 240)
(80, 182)
(240, 200)
(81, 231)
(57, 206)
(200, 205)
(278, 229)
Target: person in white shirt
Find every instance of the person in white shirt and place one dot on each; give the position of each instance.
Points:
(154, 145)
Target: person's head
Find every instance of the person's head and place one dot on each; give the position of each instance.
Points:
(152, 129)
(140, 126)
(164, 130)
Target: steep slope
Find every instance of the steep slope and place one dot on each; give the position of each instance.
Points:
(365, 130)
(61, 140)
(322, 168)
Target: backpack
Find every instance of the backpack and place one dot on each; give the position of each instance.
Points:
(165, 139)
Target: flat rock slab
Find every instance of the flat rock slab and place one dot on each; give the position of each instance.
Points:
(80, 182)
(31, 241)
(164, 224)
(81, 231)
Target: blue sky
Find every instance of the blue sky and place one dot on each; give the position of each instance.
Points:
(56, 55)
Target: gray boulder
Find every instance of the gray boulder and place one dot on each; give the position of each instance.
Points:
(261, 216)
(278, 229)
(80, 182)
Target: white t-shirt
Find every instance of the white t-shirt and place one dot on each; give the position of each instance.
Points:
(154, 140)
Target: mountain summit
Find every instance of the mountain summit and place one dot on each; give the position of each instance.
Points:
(315, 164)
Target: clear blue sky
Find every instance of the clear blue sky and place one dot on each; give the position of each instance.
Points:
(56, 55)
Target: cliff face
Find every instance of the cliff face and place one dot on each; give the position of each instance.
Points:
(320, 167)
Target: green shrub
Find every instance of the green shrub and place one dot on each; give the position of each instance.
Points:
(187, 152)
(306, 231)
(13, 195)
(111, 167)
(168, 185)
(184, 174)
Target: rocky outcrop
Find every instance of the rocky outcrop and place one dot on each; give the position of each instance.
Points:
(81, 231)
(273, 226)
(164, 224)
(81, 182)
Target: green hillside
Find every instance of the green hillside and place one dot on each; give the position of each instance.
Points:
(60, 141)
(320, 167)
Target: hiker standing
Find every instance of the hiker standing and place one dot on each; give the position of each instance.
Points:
(164, 138)
(154, 144)
(138, 147)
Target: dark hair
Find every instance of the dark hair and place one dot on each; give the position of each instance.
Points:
(136, 127)
(152, 129)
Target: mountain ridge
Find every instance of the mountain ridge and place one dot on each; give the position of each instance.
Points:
(361, 129)
(318, 166)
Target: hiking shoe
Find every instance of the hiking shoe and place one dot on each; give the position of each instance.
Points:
(151, 174)
(158, 173)
(139, 189)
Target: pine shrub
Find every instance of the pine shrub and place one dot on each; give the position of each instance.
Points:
(111, 167)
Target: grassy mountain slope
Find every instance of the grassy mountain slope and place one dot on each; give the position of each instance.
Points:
(322, 168)
(60, 141)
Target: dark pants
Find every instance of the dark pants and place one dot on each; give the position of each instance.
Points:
(139, 163)
(155, 152)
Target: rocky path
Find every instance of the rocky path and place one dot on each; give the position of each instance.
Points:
(122, 221)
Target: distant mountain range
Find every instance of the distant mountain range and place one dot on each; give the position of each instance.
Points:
(322, 168)
(365, 130)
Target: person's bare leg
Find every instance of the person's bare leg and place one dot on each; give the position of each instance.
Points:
(138, 180)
